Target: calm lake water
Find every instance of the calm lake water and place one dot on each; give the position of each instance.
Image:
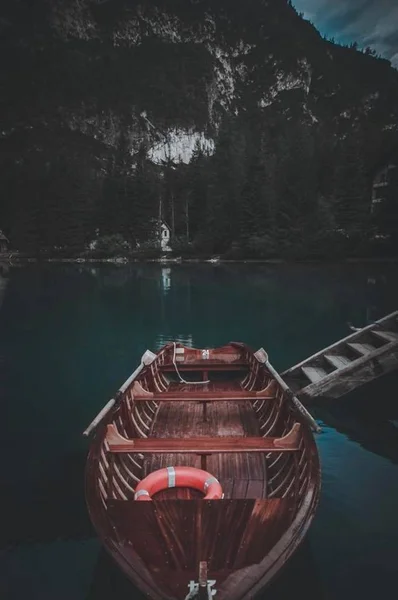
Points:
(70, 335)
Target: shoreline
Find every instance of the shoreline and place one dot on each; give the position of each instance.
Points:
(11, 260)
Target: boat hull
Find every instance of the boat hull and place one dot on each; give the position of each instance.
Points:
(242, 541)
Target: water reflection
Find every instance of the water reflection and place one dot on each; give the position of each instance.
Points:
(366, 416)
(185, 339)
(355, 293)
(165, 279)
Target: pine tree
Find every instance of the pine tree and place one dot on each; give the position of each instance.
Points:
(198, 175)
(258, 202)
(351, 188)
(296, 186)
(387, 214)
(226, 182)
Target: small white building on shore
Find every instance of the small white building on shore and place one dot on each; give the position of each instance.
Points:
(165, 233)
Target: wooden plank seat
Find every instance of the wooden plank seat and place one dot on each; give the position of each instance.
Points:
(175, 397)
(203, 445)
(205, 365)
(212, 395)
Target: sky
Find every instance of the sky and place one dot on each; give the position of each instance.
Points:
(371, 23)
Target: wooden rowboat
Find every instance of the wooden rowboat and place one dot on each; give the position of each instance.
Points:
(224, 411)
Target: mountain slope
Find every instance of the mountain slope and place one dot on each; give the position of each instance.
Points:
(237, 120)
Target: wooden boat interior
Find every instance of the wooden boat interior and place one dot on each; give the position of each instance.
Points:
(236, 401)
(218, 410)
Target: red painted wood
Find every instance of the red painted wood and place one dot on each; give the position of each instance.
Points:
(203, 397)
(270, 494)
(201, 365)
(223, 420)
(200, 445)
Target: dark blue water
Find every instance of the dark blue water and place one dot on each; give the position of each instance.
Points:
(70, 335)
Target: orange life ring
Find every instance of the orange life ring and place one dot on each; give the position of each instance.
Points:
(179, 477)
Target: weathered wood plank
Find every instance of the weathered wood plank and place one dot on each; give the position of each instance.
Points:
(358, 358)
(389, 336)
(366, 368)
(314, 373)
(362, 348)
(339, 361)
(353, 337)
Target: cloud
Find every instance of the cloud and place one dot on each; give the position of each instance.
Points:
(368, 22)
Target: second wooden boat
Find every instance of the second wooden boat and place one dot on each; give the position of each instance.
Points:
(203, 475)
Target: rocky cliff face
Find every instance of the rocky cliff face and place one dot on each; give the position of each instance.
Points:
(117, 79)
(176, 68)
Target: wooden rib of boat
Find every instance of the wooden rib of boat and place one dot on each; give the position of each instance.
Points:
(226, 412)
